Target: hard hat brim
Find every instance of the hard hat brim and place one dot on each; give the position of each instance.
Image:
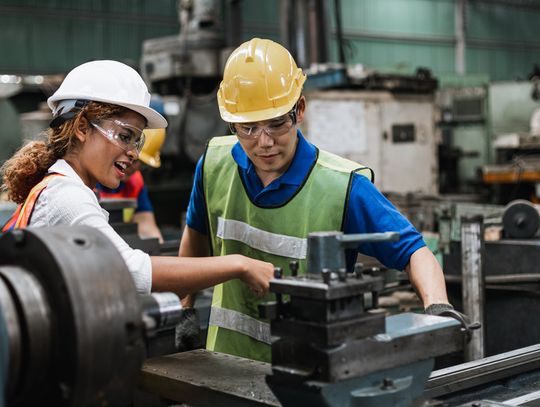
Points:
(257, 115)
(154, 120)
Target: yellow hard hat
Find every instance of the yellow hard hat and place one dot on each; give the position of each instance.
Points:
(152, 146)
(261, 81)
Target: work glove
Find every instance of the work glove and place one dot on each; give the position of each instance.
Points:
(447, 310)
(188, 332)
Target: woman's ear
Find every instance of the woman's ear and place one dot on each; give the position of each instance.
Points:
(82, 127)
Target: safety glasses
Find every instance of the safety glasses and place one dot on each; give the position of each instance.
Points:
(124, 135)
(274, 127)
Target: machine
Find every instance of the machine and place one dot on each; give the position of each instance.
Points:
(329, 347)
(73, 330)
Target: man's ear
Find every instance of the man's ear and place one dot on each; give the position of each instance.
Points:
(82, 128)
(301, 109)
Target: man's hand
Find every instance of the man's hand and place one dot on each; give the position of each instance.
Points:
(447, 310)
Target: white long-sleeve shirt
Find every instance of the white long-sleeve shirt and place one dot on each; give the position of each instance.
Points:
(68, 201)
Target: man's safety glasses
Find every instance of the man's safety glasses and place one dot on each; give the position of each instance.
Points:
(274, 127)
(124, 135)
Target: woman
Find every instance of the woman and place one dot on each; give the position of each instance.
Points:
(99, 113)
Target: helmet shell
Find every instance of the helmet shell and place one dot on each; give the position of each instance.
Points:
(110, 82)
(261, 81)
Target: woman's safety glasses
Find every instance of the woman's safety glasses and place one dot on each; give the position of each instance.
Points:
(124, 135)
(274, 127)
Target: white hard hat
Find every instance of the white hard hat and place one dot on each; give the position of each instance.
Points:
(109, 82)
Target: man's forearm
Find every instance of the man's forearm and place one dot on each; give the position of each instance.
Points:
(427, 277)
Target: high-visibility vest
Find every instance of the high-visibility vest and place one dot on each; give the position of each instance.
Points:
(277, 235)
(21, 217)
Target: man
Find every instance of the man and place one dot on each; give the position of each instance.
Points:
(132, 186)
(262, 191)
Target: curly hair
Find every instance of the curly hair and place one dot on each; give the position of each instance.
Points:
(30, 163)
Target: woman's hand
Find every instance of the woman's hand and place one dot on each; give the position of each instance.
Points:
(257, 275)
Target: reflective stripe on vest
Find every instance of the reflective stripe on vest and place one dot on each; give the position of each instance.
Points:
(21, 218)
(275, 234)
(239, 322)
(273, 243)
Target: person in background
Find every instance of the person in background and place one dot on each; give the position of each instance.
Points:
(99, 113)
(132, 185)
(264, 189)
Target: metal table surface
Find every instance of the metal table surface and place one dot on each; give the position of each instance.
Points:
(204, 378)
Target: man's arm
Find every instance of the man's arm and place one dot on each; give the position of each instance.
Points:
(147, 226)
(193, 244)
(427, 277)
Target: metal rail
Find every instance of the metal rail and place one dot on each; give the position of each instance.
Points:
(483, 371)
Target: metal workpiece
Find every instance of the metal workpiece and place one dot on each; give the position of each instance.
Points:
(325, 249)
(317, 289)
(208, 379)
(473, 282)
(74, 318)
(160, 311)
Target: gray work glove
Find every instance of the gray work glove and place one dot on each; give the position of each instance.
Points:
(447, 310)
(187, 332)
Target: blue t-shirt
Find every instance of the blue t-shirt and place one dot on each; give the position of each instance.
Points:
(143, 200)
(368, 211)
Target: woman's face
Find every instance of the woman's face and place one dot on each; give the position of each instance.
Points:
(106, 151)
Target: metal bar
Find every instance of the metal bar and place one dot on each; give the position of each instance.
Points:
(526, 398)
(285, 18)
(339, 31)
(479, 372)
(302, 35)
(460, 6)
(473, 281)
(502, 278)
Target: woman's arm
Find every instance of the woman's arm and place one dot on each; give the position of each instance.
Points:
(186, 275)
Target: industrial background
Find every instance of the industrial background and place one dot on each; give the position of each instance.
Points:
(441, 98)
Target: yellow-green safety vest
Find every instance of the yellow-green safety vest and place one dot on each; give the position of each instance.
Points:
(277, 234)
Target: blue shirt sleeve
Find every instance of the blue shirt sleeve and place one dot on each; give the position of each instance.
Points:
(196, 211)
(369, 211)
(143, 201)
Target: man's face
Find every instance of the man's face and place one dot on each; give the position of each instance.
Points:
(271, 154)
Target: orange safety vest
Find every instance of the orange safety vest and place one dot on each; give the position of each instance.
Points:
(131, 188)
(21, 216)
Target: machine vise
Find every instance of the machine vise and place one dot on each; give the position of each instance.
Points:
(329, 346)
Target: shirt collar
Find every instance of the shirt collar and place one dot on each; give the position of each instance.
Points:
(304, 156)
(62, 167)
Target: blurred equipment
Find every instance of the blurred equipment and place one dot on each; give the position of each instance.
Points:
(393, 133)
(464, 139)
(509, 264)
(185, 70)
(329, 346)
(76, 328)
(514, 171)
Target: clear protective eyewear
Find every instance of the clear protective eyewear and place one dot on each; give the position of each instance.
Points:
(124, 135)
(273, 128)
